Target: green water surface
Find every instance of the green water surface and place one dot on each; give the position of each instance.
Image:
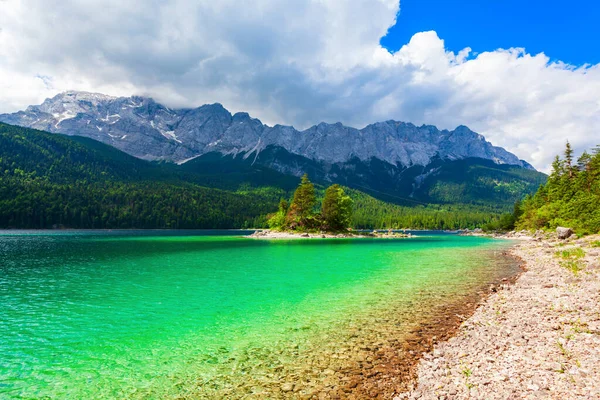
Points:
(132, 314)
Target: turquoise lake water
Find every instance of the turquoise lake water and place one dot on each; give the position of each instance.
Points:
(175, 314)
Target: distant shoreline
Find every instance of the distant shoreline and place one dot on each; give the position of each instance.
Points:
(365, 230)
(267, 234)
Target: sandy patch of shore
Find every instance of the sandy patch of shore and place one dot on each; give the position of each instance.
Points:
(536, 339)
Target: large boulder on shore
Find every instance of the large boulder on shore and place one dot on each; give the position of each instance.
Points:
(564, 233)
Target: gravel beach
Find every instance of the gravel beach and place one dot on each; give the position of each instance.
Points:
(536, 339)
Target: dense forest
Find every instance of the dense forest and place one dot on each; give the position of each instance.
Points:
(370, 212)
(54, 181)
(49, 181)
(570, 198)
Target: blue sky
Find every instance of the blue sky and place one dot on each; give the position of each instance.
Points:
(568, 31)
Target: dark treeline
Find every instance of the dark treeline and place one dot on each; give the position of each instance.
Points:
(111, 205)
(51, 181)
(149, 205)
(373, 213)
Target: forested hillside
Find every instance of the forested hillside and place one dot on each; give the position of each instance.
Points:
(50, 180)
(481, 182)
(571, 197)
(370, 212)
(474, 181)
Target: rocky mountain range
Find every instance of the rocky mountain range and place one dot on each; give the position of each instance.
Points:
(394, 161)
(148, 130)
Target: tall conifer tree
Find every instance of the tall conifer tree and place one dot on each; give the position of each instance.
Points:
(569, 159)
(301, 211)
(337, 209)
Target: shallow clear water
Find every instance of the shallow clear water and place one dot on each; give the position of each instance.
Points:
(154, 315)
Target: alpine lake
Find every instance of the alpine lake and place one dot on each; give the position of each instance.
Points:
(213, 314)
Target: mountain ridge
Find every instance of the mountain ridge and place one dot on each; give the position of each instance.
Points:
(146, 129)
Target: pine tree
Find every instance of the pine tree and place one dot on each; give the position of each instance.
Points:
(336, 210)
(277, 221)
(583, 161)
(569, 159)
(283, 206)
(557, 168)
(301, 212)
(584, 178)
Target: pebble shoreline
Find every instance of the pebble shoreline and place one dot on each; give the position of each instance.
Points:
(536, 339)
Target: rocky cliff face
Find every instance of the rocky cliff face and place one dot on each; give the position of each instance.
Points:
(148, 130)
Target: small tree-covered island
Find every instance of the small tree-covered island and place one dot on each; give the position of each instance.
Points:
(300, 214)
(301, 217)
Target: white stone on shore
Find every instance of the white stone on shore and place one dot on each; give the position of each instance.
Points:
(564, 233)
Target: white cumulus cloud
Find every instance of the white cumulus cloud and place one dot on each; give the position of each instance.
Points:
(296, 62)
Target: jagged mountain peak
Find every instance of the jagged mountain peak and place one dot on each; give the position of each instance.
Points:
(217, 107)
(82, 96)
(244, 117)
(74, 97)
(146, 129)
